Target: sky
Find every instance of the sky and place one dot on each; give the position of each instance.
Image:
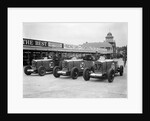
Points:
(76, 33)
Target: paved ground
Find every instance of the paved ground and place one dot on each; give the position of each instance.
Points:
(35, 86)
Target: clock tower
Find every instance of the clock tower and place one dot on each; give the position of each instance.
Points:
(109, 39)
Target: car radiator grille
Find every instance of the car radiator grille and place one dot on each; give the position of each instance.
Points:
(33, 64)
(64, 65)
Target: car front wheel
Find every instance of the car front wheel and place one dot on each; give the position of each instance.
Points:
(111, 74)
(41, 71)
(26, 70)
(74, 73)
(86, 74)
(55, 70)
(121, 70)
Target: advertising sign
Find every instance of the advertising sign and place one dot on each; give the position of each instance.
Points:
(32, 42)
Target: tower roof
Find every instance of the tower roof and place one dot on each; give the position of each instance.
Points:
(109, 35)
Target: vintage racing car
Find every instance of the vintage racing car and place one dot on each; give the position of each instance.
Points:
(74, 67)
(41, 66)
(104, 67)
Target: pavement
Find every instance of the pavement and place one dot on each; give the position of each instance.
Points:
(35, 86)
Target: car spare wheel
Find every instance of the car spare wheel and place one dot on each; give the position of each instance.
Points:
(111, 75)
(26, 70)
(55, 70)
(121, 71)
(74, 73)
(86, 74)
(41, 71)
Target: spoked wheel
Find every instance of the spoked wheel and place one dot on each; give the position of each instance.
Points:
(41, 71)
(26, 70)
(111, 75)
(55, 70)
(74, 73)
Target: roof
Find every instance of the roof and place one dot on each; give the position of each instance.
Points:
(37, 48)
(97, 44)
(109, 34)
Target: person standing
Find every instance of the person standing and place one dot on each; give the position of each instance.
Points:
(124, 59)
(97, 56)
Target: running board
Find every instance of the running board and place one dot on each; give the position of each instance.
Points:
(95, 75)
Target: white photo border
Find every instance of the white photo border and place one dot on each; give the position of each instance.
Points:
(18, 104)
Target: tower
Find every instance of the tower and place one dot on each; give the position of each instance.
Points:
(109, 39)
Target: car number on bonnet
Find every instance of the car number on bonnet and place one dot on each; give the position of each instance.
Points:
(98, 66)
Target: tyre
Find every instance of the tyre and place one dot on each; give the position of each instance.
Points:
(86, 74)
(74, 73)
(26, 70)
(110, 75)
(121, 71)
(41, 71)
(55, 70)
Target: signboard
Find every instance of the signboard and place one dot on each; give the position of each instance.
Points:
(32, 42)
(69, 46)
(55, 45)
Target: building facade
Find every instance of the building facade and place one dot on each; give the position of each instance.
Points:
(38, 49)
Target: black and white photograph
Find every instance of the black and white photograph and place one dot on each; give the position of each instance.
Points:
(75, 60)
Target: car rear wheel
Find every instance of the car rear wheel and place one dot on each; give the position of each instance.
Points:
(74, 73)
(86, 74)
(121, 71)
(41, 71)
(55, 70)
(26, 70)
(111, 75)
